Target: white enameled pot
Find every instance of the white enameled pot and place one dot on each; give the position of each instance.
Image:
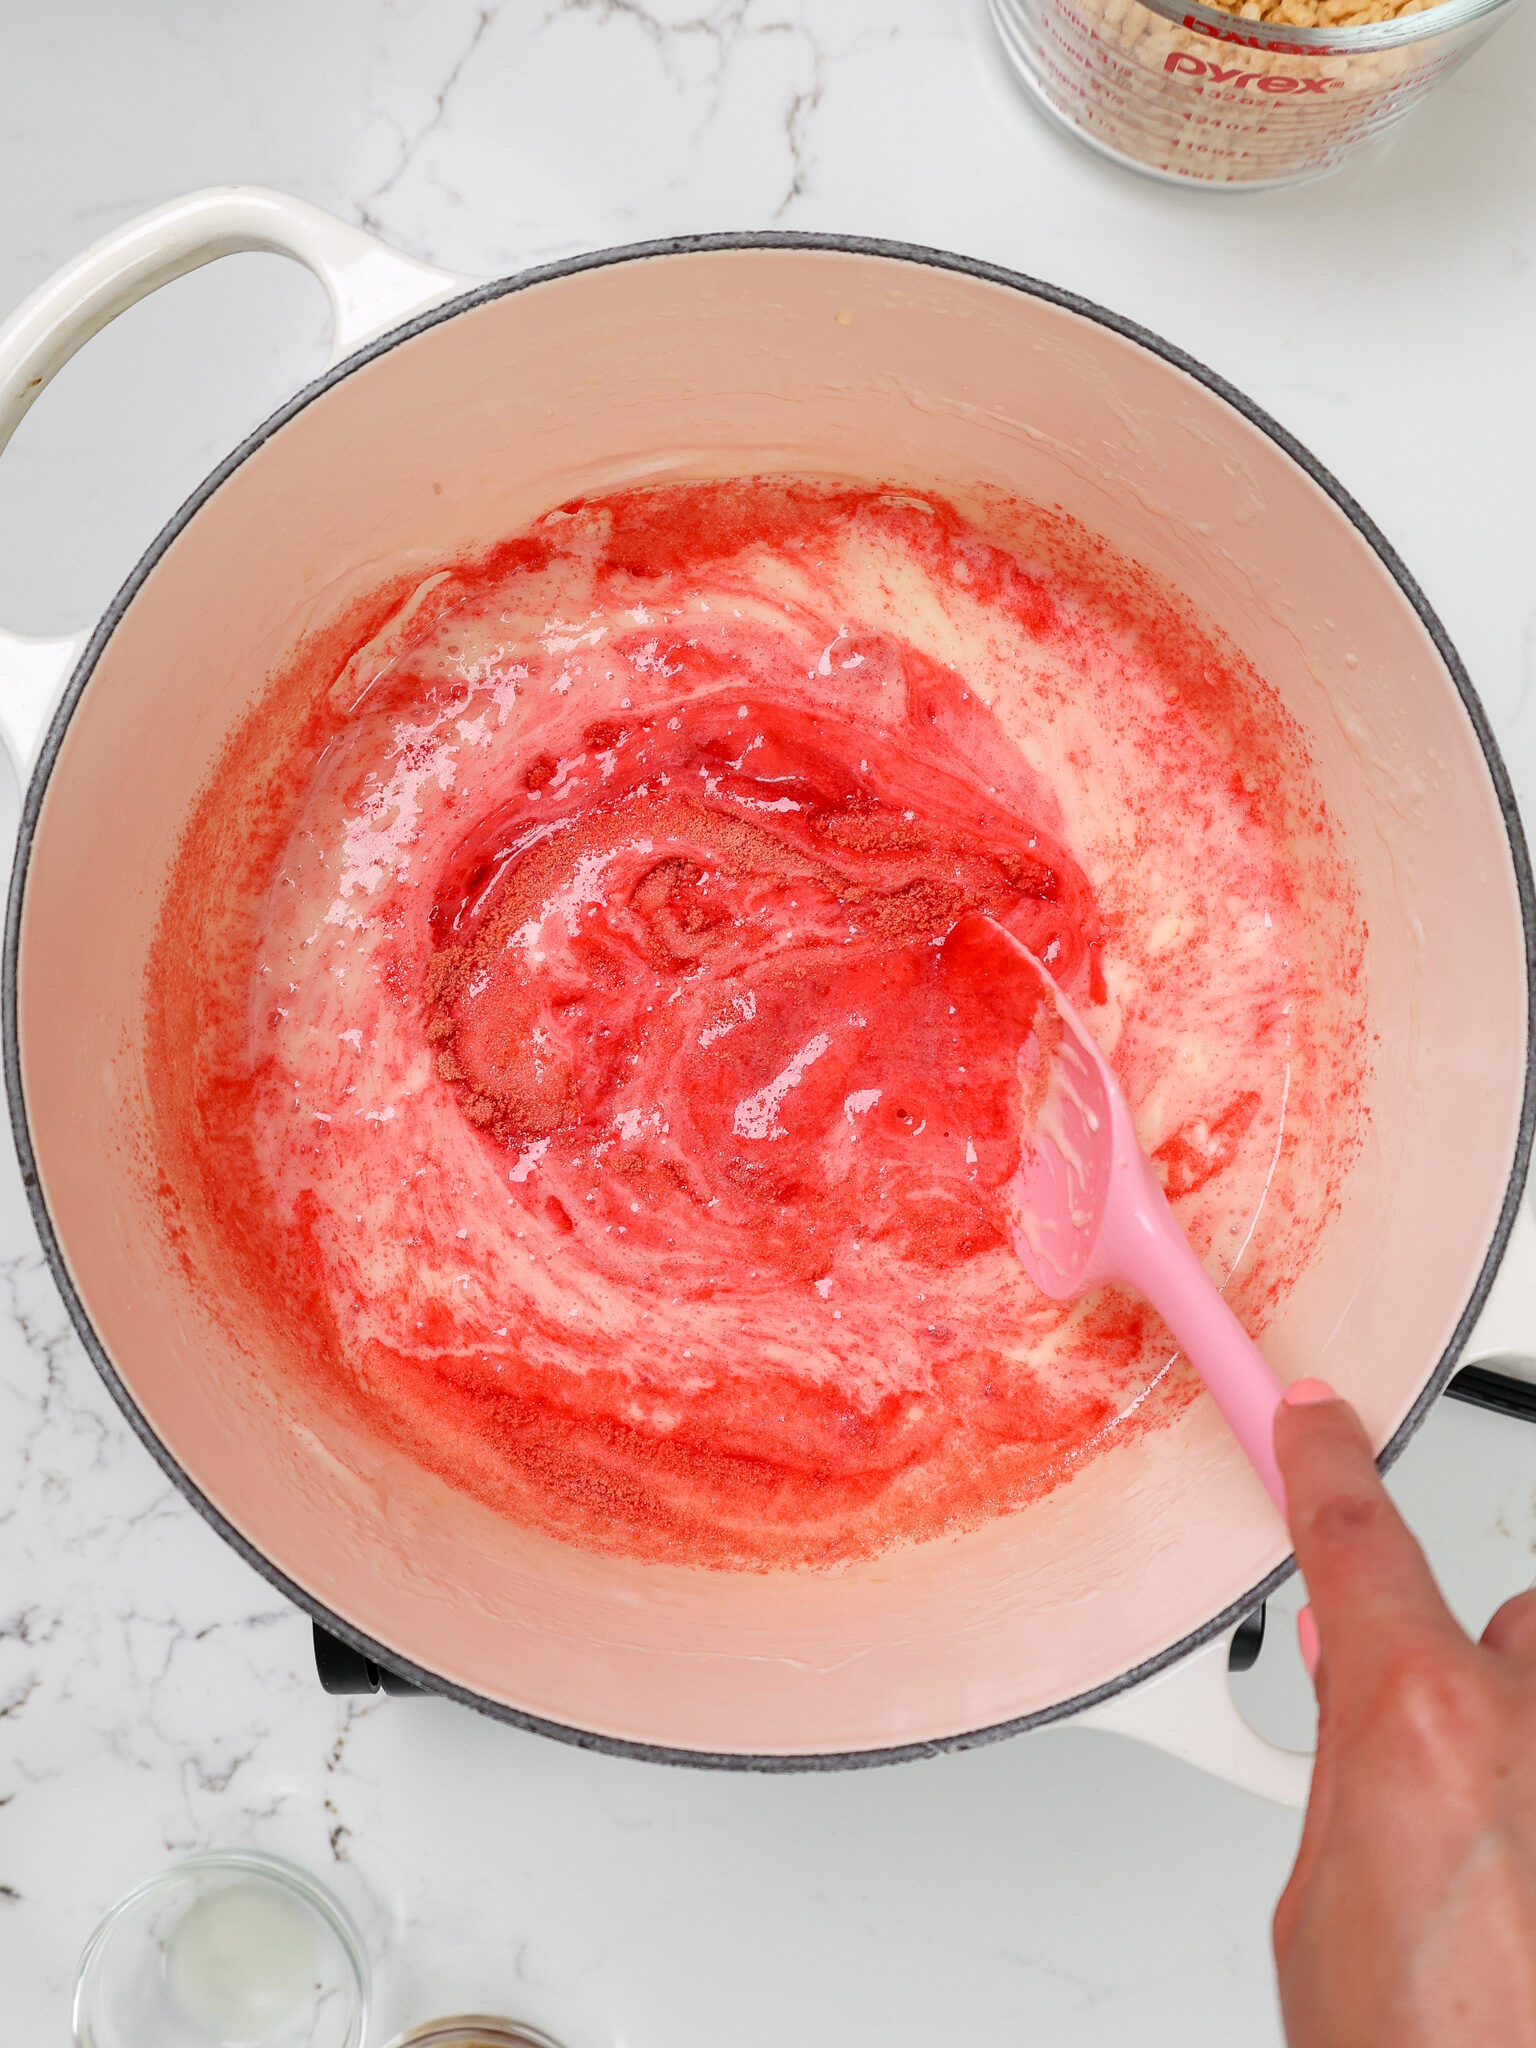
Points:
(453, 413)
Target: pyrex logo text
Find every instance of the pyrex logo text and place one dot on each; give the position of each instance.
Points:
(1261, 81)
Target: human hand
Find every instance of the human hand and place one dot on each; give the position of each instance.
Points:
(1410, 1918)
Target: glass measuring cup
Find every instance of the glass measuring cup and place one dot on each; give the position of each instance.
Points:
(1188, 93)
(474, 2030)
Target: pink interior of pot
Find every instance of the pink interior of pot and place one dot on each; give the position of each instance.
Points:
(706, 364)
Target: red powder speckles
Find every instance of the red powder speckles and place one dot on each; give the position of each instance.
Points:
(714, 998)
(550, 1037)
(1198, 1151)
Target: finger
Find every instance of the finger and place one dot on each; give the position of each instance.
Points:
(1364, 1571)
(1512, 1631)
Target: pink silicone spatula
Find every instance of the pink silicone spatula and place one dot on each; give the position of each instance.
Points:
(1086, 1207)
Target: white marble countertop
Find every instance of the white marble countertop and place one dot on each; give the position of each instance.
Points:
(155, 1695)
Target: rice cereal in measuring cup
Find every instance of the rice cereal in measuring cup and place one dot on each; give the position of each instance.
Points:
(1268, 94)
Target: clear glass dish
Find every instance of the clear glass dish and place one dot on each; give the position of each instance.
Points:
(1186, 92)
(228, 1950)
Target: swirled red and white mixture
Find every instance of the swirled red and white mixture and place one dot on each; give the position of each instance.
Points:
(573, 1042)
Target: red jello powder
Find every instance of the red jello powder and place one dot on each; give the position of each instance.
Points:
(551, 1034)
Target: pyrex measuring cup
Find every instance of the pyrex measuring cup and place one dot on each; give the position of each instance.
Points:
(1186, 92)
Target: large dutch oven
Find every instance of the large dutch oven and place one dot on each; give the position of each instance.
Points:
(452, 415)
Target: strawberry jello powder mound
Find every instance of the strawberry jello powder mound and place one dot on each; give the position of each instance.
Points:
(550, 1023)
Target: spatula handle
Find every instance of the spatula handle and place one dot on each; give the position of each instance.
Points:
(1154, 1255)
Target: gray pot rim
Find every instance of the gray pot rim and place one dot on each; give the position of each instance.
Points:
(480, 295)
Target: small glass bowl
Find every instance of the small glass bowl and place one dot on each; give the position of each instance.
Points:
(473, 2030)
(227, 1950)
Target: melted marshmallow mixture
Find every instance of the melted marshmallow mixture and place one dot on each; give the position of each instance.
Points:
(576, 1066)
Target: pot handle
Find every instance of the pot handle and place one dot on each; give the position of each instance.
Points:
(1505, 1332)
(370, 288)
(1189, 1710)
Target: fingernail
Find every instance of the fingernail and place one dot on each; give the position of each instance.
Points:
(1301, 1393)
(1307, 1640)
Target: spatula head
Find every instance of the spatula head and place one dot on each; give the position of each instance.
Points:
(1057, 1197)
(1084, 1205)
